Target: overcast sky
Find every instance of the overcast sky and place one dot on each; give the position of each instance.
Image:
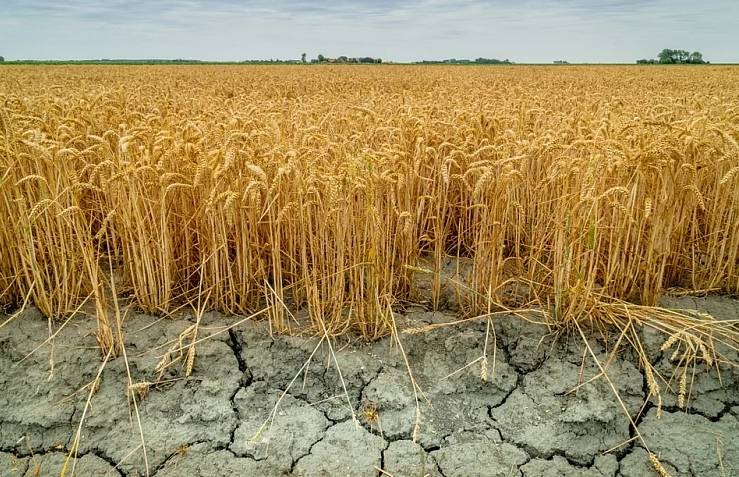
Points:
(521, 30)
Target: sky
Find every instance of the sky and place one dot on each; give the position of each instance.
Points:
(524, 31)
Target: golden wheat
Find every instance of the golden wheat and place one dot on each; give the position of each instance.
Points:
(324, 189)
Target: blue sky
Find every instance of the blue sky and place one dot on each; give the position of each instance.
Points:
(522, 30)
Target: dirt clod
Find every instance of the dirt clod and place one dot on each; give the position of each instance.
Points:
(693, 444)
(347, 449)
(473, 454)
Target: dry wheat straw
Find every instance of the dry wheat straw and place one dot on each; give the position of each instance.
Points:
(326, 190)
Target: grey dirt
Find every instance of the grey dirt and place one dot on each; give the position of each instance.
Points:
(269, 406)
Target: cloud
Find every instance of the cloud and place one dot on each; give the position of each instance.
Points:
(523, 30)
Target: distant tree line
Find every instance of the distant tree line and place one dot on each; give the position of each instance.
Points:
(675, 57)
(478, 61)
(345, 59)
(272, 61)
(105, 61)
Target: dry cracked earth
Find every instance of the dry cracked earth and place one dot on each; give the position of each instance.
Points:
(524, 420)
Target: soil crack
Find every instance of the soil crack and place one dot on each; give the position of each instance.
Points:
(310, 449)
(235, 346)
(95, 452)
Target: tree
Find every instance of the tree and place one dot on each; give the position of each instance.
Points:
(696, 58)
(321, 58)
(303, 57)
(2, 59)
(668, 56)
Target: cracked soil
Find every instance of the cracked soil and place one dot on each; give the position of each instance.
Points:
(524, 419)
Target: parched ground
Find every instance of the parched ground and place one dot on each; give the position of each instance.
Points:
(525, 419)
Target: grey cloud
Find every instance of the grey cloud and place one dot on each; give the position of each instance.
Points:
(523, 30)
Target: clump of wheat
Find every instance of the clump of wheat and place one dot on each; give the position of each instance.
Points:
(140, 390)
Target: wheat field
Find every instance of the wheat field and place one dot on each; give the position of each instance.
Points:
(590, 191)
